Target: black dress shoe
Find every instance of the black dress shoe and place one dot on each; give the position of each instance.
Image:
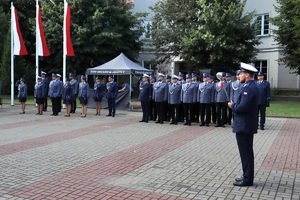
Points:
(146, 121)
(218, 125)
(172, 123)
(161, 122)
(207, 125)
(185, 124)
(239, 179)
(262, 128)
(108, 115)
(201, 124)
(142, 121)
(157, 122)
(242, 183)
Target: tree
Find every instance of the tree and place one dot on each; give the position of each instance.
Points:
(287, 33)
(210, 33)
(101, 30)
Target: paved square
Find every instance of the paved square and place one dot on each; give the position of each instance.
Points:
(98, 157)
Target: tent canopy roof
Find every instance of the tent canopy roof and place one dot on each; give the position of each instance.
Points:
(121, 65)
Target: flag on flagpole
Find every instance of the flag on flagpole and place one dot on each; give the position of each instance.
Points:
(19, 47)
(41, 44)
(69, 51)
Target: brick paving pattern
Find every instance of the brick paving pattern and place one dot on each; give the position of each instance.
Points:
(98, 157)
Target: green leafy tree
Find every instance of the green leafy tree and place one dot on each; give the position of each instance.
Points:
(287, 32)
(210, 33)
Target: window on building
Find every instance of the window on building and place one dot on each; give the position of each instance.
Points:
(262, 65)
(262, 25)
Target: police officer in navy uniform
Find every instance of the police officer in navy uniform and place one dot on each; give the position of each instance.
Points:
(45, 82)
(222, 91)
(160, 96)
(213, 103)
(196, 105)
(174, 99)
(205, 97)
(167, 105)
(39, 95)
(264, 98)
(228, 78)
(188, 97)
(74, 85)
(181, 81)
(152, 106)
(245, 122)
(22, 93)
(111, 95)
(54, 93)
(61, 85)
(144, 96)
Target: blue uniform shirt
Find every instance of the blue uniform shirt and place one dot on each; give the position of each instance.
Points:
(145, 91)
(112, 90)
(264, 93)
(174, 93)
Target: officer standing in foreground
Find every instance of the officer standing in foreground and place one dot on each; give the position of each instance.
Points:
(111, 95)
(245, 122)
(264, 98)
(144, 97)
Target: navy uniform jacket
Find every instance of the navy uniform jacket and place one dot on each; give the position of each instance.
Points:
(22, 90)
(54, 89)
(235, 88)
(74, 84)
(206, 93)
(264, 93)
(46, 86)
(160, 91)
(112, 90)
(220, 95)
(39, 90)
(174, 93)
(67, 92)
(188, 93)
(145, 91)
(98, 90)
(246, 109)
(84, 90)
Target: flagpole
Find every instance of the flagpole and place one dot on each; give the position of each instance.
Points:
(64, 43)
(12, 58)
(36, 42)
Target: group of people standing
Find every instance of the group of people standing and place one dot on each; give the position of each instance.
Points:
(188, 100)
(67, 93)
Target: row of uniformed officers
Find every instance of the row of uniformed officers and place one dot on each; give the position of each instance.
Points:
(177, 100)
(68, 92)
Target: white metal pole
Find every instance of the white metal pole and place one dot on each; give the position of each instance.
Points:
(130, 91)
(36, 43)
(12, 59)
(64, 45)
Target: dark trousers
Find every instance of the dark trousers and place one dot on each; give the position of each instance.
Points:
(221, 114)
(73, 105)
(111, 106)
(229, 117)
(245, 145)
(152, 110)
(262, 113)
(181, 113)
(174, 109)
(160, 106)
(166, 111)
(55, 105)
(187, 107)
(196, 112)
(214, 112)
(59, 104)
(205, 112)
(145, 109)
(45, 104)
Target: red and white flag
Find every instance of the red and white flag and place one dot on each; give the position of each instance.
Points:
(41, 44)
(19, 47)
(69, 51)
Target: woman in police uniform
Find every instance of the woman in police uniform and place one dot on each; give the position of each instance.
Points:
(39, 95)
(84, 95)
(22, 94)
(98, 94)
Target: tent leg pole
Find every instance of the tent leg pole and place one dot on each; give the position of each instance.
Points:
(130, 108)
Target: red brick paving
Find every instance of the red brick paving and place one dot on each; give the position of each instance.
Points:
(58, 137)
(92, 180)
(284, 152)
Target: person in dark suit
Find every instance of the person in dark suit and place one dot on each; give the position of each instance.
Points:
(181, 81)
(167, 114)
(264, 98)
(213, 103)
(196, 105)
(39, 95)
(245, 122)
(111, 95)
(228, 78)
(61, 85)
(45, 82)
(67, 96)
(160, 96)
(83, 95)
(22, 93)
(174, 100)
(205, 97)
(188, 97)
(54, 92)
(98, 94)
(222, 91)
(144, 96)
(152, 106)
(74, 85)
